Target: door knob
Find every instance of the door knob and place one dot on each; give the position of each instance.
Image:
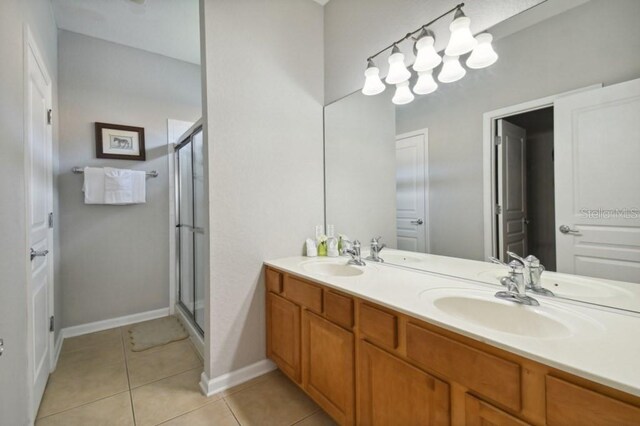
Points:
(566, 229)
(35, 254)
(417, 222)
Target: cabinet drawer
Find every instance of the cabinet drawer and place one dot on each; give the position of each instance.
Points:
(379, 326)
(488, 375)
(479, 413)
(569, 404)
(274, 281)
(338, 308)
(305, 294)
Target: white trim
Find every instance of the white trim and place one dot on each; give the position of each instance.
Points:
(213, 386)
(488, 159)
(194, 335)
(92, 327)
(427, 215)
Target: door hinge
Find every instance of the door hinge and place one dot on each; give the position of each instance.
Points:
(498, 140)
(498, 209)
(49, 116)
(51, 220)
(51, 324)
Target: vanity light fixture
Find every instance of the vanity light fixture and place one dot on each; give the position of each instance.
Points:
(426, 56)
(372, 84)
(427, 59)
(398, 71)
(451, 70)
(483, 54)
(403, 94)
(425, 84)
(461, 40)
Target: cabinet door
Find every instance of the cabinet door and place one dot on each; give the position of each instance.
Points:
(328, 366)
(479, 413)
(392, 392)
(283, 335)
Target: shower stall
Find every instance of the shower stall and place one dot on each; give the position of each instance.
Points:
(190, 225)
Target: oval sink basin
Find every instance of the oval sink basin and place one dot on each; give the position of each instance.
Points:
(569, 286)
(327, 269)
(480, 308)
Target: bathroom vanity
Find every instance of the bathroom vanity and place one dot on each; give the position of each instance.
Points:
(392, 346)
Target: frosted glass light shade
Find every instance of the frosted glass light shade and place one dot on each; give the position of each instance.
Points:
(425, 84)
(403, 94)
(372, 83)
(483, 54)
(451, 70)
(398, 72)
(427, 58)
(461, 40)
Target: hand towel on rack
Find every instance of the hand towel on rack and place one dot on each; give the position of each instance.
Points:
(139, 186)
(93, 186)
(118, 186)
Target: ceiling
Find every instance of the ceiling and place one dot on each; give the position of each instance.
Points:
(166, 27)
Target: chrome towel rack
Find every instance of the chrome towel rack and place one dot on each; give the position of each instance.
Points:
(80, 170)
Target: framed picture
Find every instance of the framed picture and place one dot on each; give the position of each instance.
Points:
(119, 142)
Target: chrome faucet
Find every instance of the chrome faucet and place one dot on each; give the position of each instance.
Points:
(376, 248)
(532, 273)
(515, 284)
(354, 252)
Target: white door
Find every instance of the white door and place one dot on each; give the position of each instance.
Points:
(597, 182)
(38, 168)
(412, 191)
(512, 189)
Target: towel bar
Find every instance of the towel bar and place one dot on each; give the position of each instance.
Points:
(80, 170)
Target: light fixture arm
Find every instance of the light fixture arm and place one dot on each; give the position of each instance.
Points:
(456, 9)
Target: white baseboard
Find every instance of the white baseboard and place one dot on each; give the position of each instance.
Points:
(194, 335)
(92, 327)
(218, 384)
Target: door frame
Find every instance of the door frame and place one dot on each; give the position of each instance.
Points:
(489, 161)
(29, 44)
(424, 132)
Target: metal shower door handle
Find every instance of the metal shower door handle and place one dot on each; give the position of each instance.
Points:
(417, 222)
(566, 229)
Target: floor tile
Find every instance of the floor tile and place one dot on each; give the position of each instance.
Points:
(91, 357)
(168, 398)
(69, 388)
(105, 338)
(112, 411)
(319, 418)
(272, 402)
(214, 414)
(149, 367)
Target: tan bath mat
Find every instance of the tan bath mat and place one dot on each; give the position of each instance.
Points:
(156, 333)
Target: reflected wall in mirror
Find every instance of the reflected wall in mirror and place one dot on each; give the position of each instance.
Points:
(538, 154)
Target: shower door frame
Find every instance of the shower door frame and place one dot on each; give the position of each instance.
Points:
(183, 141)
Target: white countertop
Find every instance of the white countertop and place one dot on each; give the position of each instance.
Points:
(605, 350)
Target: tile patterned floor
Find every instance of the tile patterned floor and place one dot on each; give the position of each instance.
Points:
(99, 381)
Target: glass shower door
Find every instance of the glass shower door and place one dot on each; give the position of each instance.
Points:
(191, 214)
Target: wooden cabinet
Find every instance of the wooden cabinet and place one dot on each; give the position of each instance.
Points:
(479, 413)
(569, 404)
(328, 366)
(369, 365)
(283, 335)
(392, 392)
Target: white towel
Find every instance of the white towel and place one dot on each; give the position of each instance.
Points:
(93, 185)
(139, 186)
(118, 186)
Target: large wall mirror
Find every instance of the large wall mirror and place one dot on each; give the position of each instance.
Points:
(538, 154)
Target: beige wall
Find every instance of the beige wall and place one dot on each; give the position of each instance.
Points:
(264, 87)
(14, 14)
(115, 259)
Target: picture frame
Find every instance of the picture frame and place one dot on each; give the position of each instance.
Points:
(120, 142)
